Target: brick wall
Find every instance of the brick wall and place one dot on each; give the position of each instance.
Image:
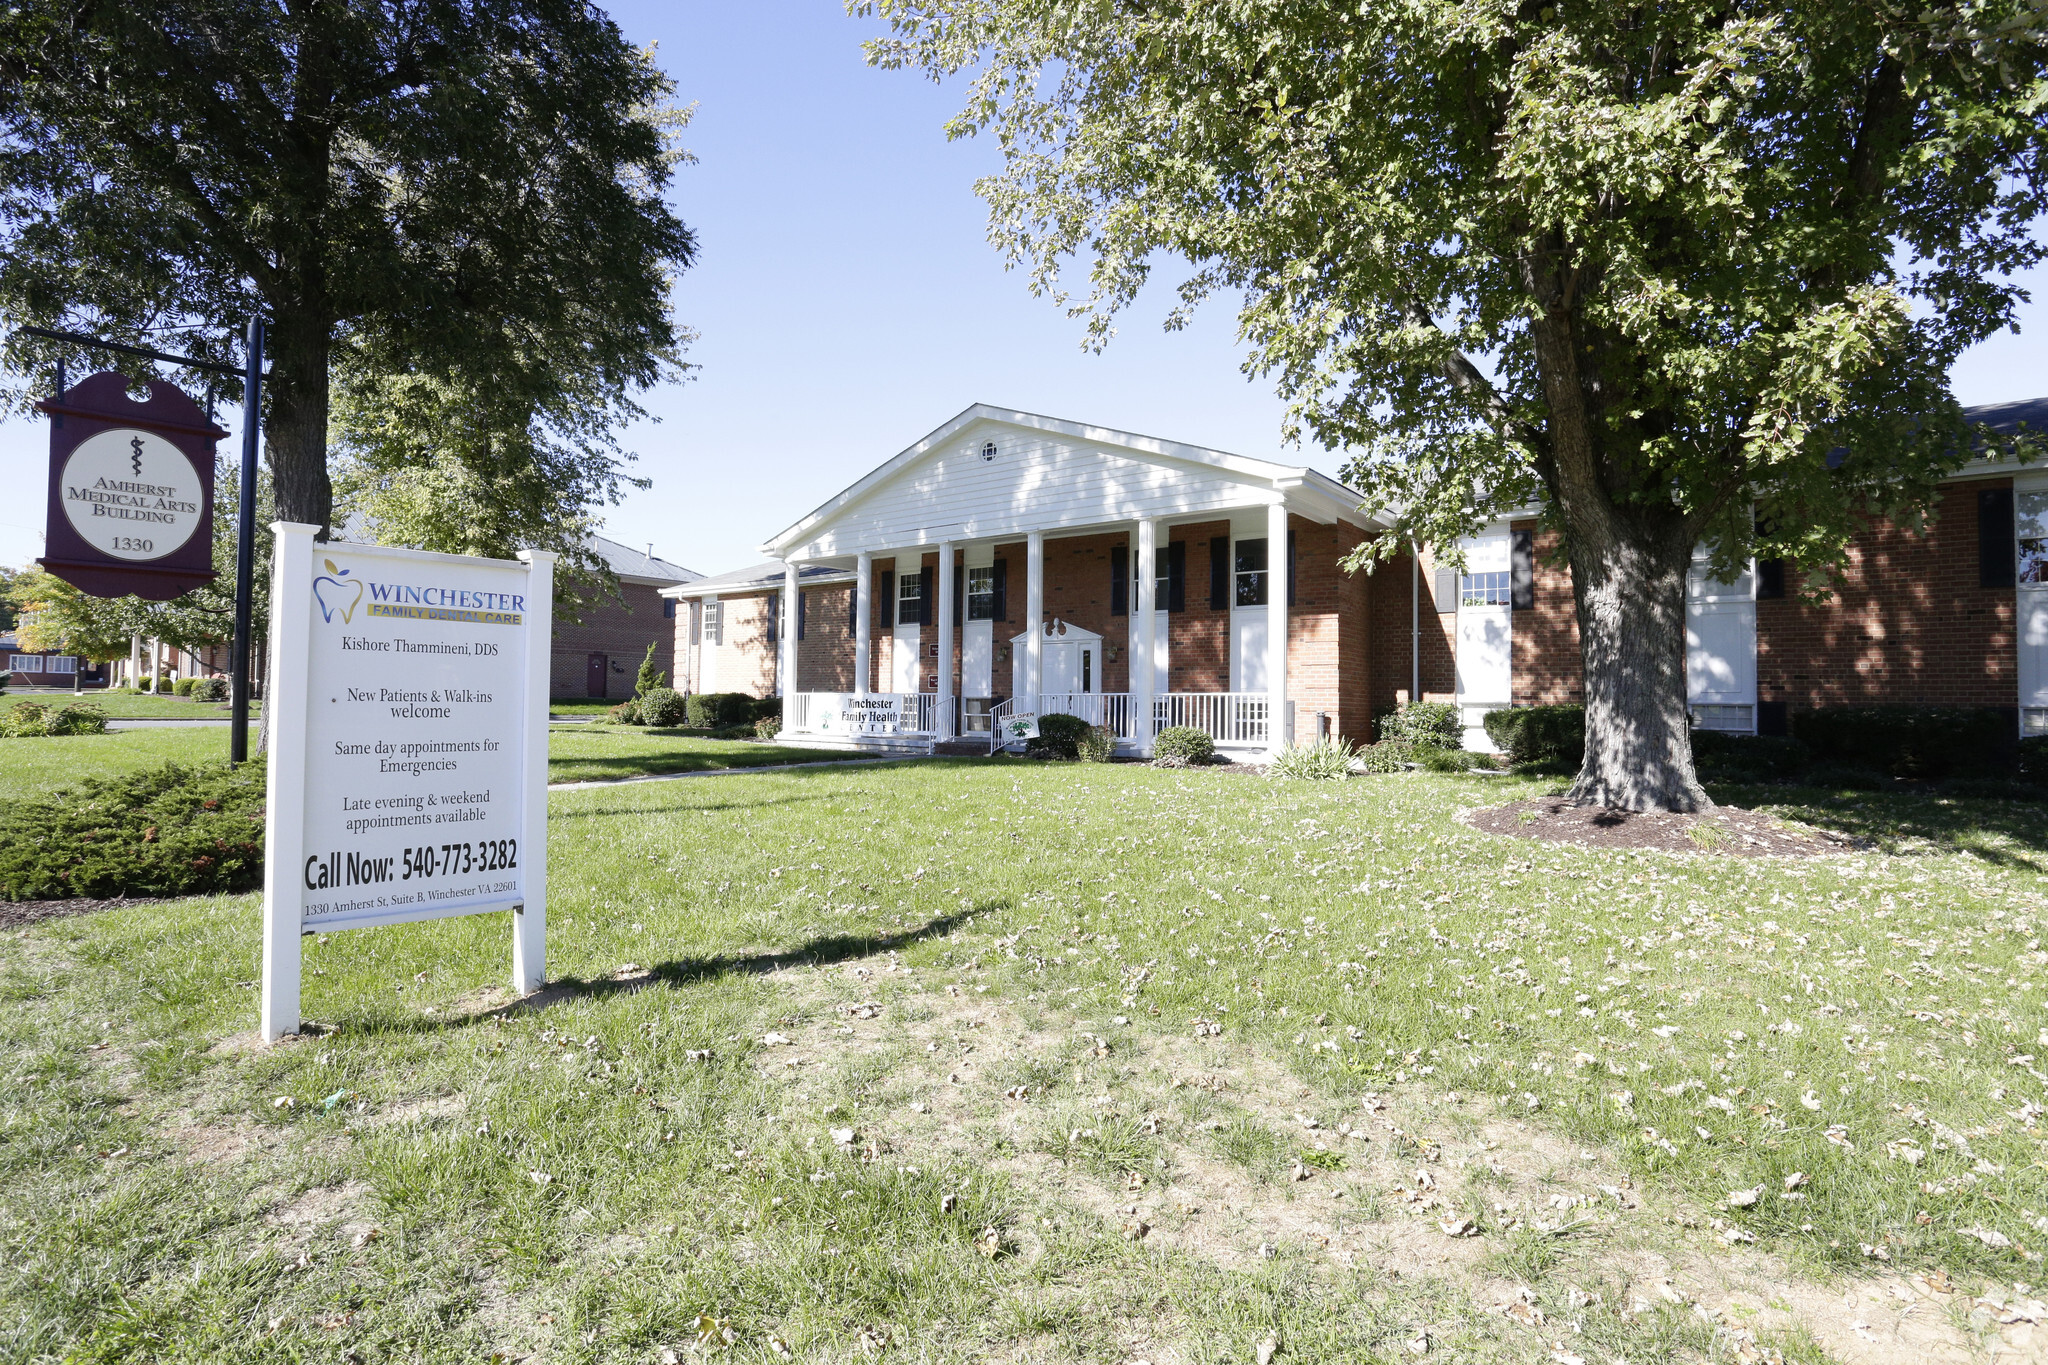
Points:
(744, 661)
(1198, 644)
(1388, 600)
(824, 655)
(1328, 634)
(1907, 624)
(1547, 670)
(621, 631)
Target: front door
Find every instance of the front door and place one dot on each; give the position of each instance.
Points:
(1486, 656)
(596, 676)
(2030, 525)
(1720, 649)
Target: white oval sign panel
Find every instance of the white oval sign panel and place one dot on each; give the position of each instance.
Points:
(132, 494)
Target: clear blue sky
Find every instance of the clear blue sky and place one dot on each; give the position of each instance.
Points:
(847, 302)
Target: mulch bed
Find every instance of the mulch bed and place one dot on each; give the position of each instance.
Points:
(21, 914)
(1726, 830)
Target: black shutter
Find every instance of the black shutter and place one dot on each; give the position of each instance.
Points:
(1177, 575)
(959, 594)
(1522, 571)
(885, 600)
(774, 615)
(1995, 551)
(1002, 590)
(926, 596)
(1293, 563)
(801, 603)
(852, 610)
(1770, 587)
(1219, 573)
(1119, 580)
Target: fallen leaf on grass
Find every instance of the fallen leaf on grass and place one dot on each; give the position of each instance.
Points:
(1268, 1348)
(1990, 1237)
(1742, 1199)
(714, 1332)
(1458, 1227)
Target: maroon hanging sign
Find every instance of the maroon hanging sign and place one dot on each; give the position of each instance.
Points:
(131, 490)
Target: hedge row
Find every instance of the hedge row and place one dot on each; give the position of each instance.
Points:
(169, 831)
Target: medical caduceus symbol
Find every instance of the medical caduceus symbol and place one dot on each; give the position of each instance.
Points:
(135, 460)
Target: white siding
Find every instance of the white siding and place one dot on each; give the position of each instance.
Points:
(1036, 481)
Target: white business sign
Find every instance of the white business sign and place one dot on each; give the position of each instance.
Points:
(408, 747)
(131, 494)
(864, 713)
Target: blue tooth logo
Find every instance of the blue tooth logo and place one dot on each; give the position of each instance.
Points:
(342, 601)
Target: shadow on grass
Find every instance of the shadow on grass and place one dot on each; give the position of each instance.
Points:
(688, 971)
(599, 769)
(2003, 831)
(631, 812)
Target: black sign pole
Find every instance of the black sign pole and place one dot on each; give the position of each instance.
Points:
(245, 543)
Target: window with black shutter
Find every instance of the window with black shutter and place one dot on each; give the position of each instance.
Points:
(1522, 571)
(928, 596)
(1770, 582)
(1177, 576)
(1995, 553)
(1119, 580)
(981, 593)
(1251, 573)
(1219, 573)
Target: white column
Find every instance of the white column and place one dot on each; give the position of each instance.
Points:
(1276, 626)
(863, 617)
(530, 921)
(785, 664)
(1034, 617)
(1145, 549)
(943, 703)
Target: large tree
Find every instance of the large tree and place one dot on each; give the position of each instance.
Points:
(467, 190)
(1678, 274)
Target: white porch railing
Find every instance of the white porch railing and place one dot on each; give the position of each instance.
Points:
(1235, 718)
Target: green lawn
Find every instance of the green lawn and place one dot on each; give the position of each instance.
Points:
(971, 1060)
(133, 705)
(581, 706)
(30, 767)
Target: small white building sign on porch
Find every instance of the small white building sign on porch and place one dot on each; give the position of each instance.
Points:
(408, 748)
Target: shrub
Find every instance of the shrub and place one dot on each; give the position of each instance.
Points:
(1437, 759)
(1185, 743)
(1320, 761)
(1059, 736)
(209, 689)
(625, 713)
(183, 687)
(1909, 741)
(1540, 734)
(1747, 758)
(768, 727)
(730, 732)
(25, 720)
(2033, 759)
(1387, 756)
(79, 718)
(1843, 777)
(34, 719)
(712, 709)
(650, 676)
(1096, 746)
(767, 707)
(1424, 722)
(169, 831)
(661, 706)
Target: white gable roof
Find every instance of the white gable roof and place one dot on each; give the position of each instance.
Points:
(1046, 474)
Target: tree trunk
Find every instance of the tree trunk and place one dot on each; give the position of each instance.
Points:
(296, 430)
(1630, 595)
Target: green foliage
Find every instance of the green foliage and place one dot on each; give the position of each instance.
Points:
(1747, 758)
(210, 689)
(2033, 760)
(625, 713)
(1424, 722)
(650, 677)
(1059, 736)
(767, 727)
(662, 706)
(1098, 745)
(1185, 743)
(1321, 761)
(34, 720)
(182, 687)
(169, 831)
(1909, 741)
(1387, 756)
(461, 209)
(705, 710)
(1438, 759)
(1539, 734)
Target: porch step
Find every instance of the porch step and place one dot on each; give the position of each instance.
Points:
(961, 748)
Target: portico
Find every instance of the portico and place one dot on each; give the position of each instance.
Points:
(1106, 529)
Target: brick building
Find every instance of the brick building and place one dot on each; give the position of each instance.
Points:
(924, 582)
(597, 652)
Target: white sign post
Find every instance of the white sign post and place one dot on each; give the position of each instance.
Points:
(408, 748)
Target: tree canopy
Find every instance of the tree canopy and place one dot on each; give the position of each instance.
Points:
(465, 195)
(1674, 274)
